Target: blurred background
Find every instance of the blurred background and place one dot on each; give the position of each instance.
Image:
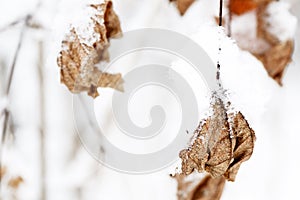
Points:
(41, 154)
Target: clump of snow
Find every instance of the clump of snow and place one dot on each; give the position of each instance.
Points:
(85, 25)
(77, 14)
(245, 33)
(249, 87)
(246, 83)
(281, 22)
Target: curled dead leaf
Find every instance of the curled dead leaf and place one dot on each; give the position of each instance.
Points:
(209, 188)
(219, 142)
(243, 142)
(212, 149)
(185, 186)
(206, 188)
(79, 56)
(196, 156)
(183, 5)
(279, 54)
(276, 59)
(220, 145)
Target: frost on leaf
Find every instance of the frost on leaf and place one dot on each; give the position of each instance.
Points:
(207, 188)
(221, 144)
(183, 5)
(270, 40)
(86, 46)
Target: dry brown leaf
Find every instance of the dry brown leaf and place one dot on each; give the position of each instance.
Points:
(209, 188)
(196, 156)
(276, 59)
(15, 182)
(212, 149)
(275, 55)
(183, 5)
(78, 58)
(243, 141)
(185, 186)
(206, 188)
(221, 144)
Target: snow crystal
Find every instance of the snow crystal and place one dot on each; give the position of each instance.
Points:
(241, 73)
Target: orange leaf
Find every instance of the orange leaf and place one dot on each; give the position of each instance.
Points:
(240, 7)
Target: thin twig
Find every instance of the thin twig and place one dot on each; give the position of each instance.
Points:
(42, 120)
(10, 79)
(218, 62)
(220, 12)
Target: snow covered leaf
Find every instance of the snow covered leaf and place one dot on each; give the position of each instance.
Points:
(183, 5)
(206, 188)
(86, 46)
(222, 142)
(279, 54)
(271, 40)
(219, 142)
(243, 141)
(212, 149)
(240, 7)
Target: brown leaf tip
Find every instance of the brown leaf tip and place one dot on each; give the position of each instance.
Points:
(183, 5)
(198, 188)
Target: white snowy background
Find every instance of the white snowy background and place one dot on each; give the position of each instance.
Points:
(71, 173)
